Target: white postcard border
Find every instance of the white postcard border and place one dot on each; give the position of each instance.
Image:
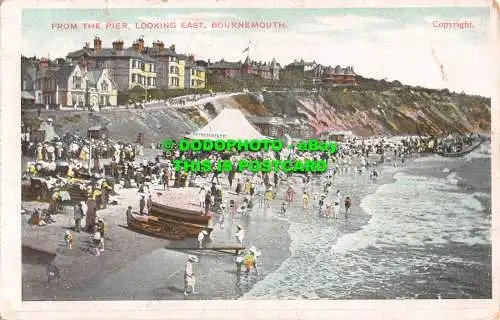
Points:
(11, 306)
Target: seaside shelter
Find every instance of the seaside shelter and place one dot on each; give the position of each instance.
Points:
(229, 124)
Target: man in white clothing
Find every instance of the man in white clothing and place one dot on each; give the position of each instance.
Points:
(201, 236)
(189, 279)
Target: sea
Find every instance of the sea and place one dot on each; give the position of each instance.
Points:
(422, 231)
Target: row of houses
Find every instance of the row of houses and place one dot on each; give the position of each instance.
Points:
(139, 65)
(94, 75)
(66, 84)
(326, 75)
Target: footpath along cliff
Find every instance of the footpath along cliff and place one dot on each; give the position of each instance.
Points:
(395, 110)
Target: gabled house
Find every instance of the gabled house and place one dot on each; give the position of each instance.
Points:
(128, 67)
(339, 76)
(101, 89)
(71, 86)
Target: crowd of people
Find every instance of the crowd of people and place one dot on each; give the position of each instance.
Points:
(259, 190)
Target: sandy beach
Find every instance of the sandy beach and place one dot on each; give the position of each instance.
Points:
(150, 268)
(296, 248)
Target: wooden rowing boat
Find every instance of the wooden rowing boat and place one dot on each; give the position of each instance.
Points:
(165, 227)
(181, 214)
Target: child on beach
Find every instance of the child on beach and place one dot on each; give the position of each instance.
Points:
(97, 240)
(269, 197)
(327, 212)
(306, 200)
(283, 208)
(238, 187)
(347, 204)
(68, 238)
(336, 209)
(222, 215)
(315, 199)
(201, 195)
(248, 185)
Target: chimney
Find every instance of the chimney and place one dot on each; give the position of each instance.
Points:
(44, 63)
(135, 45)
(191, 58)
(140, 43)
(172, 47)
(159, 45)
(87, 45)
(97, 44)
(118, 45)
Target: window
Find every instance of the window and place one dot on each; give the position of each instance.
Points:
(104, 86)
(77, 82)
(172, 69)
(192, 72)
(134, 77)
(192, 83)
(176, 70)
(24, 85)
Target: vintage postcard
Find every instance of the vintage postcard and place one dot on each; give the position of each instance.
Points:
(307, 159)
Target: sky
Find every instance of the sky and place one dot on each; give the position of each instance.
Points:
(394, 44)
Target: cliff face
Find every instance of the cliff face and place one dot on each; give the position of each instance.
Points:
(395, 111)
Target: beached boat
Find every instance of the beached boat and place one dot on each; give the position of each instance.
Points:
(184, 220)
(164, 227)
(463, 152)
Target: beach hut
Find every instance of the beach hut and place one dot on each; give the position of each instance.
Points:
(98, 132)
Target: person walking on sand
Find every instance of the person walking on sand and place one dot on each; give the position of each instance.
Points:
(201, 236)
(68, 238)
(91, 215)
(166, 179)
(189, 279)
(142, 204)
(202, 195)
(222, 215)
(208, 202)
(102, 231)
(250, 260)
(306, 200)
(283, 208)
(336, 208)
(78, 216)
(149, 205)
(240, 235)
(238, 186)
(128, 213)
(347, 205)
(97, 240)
